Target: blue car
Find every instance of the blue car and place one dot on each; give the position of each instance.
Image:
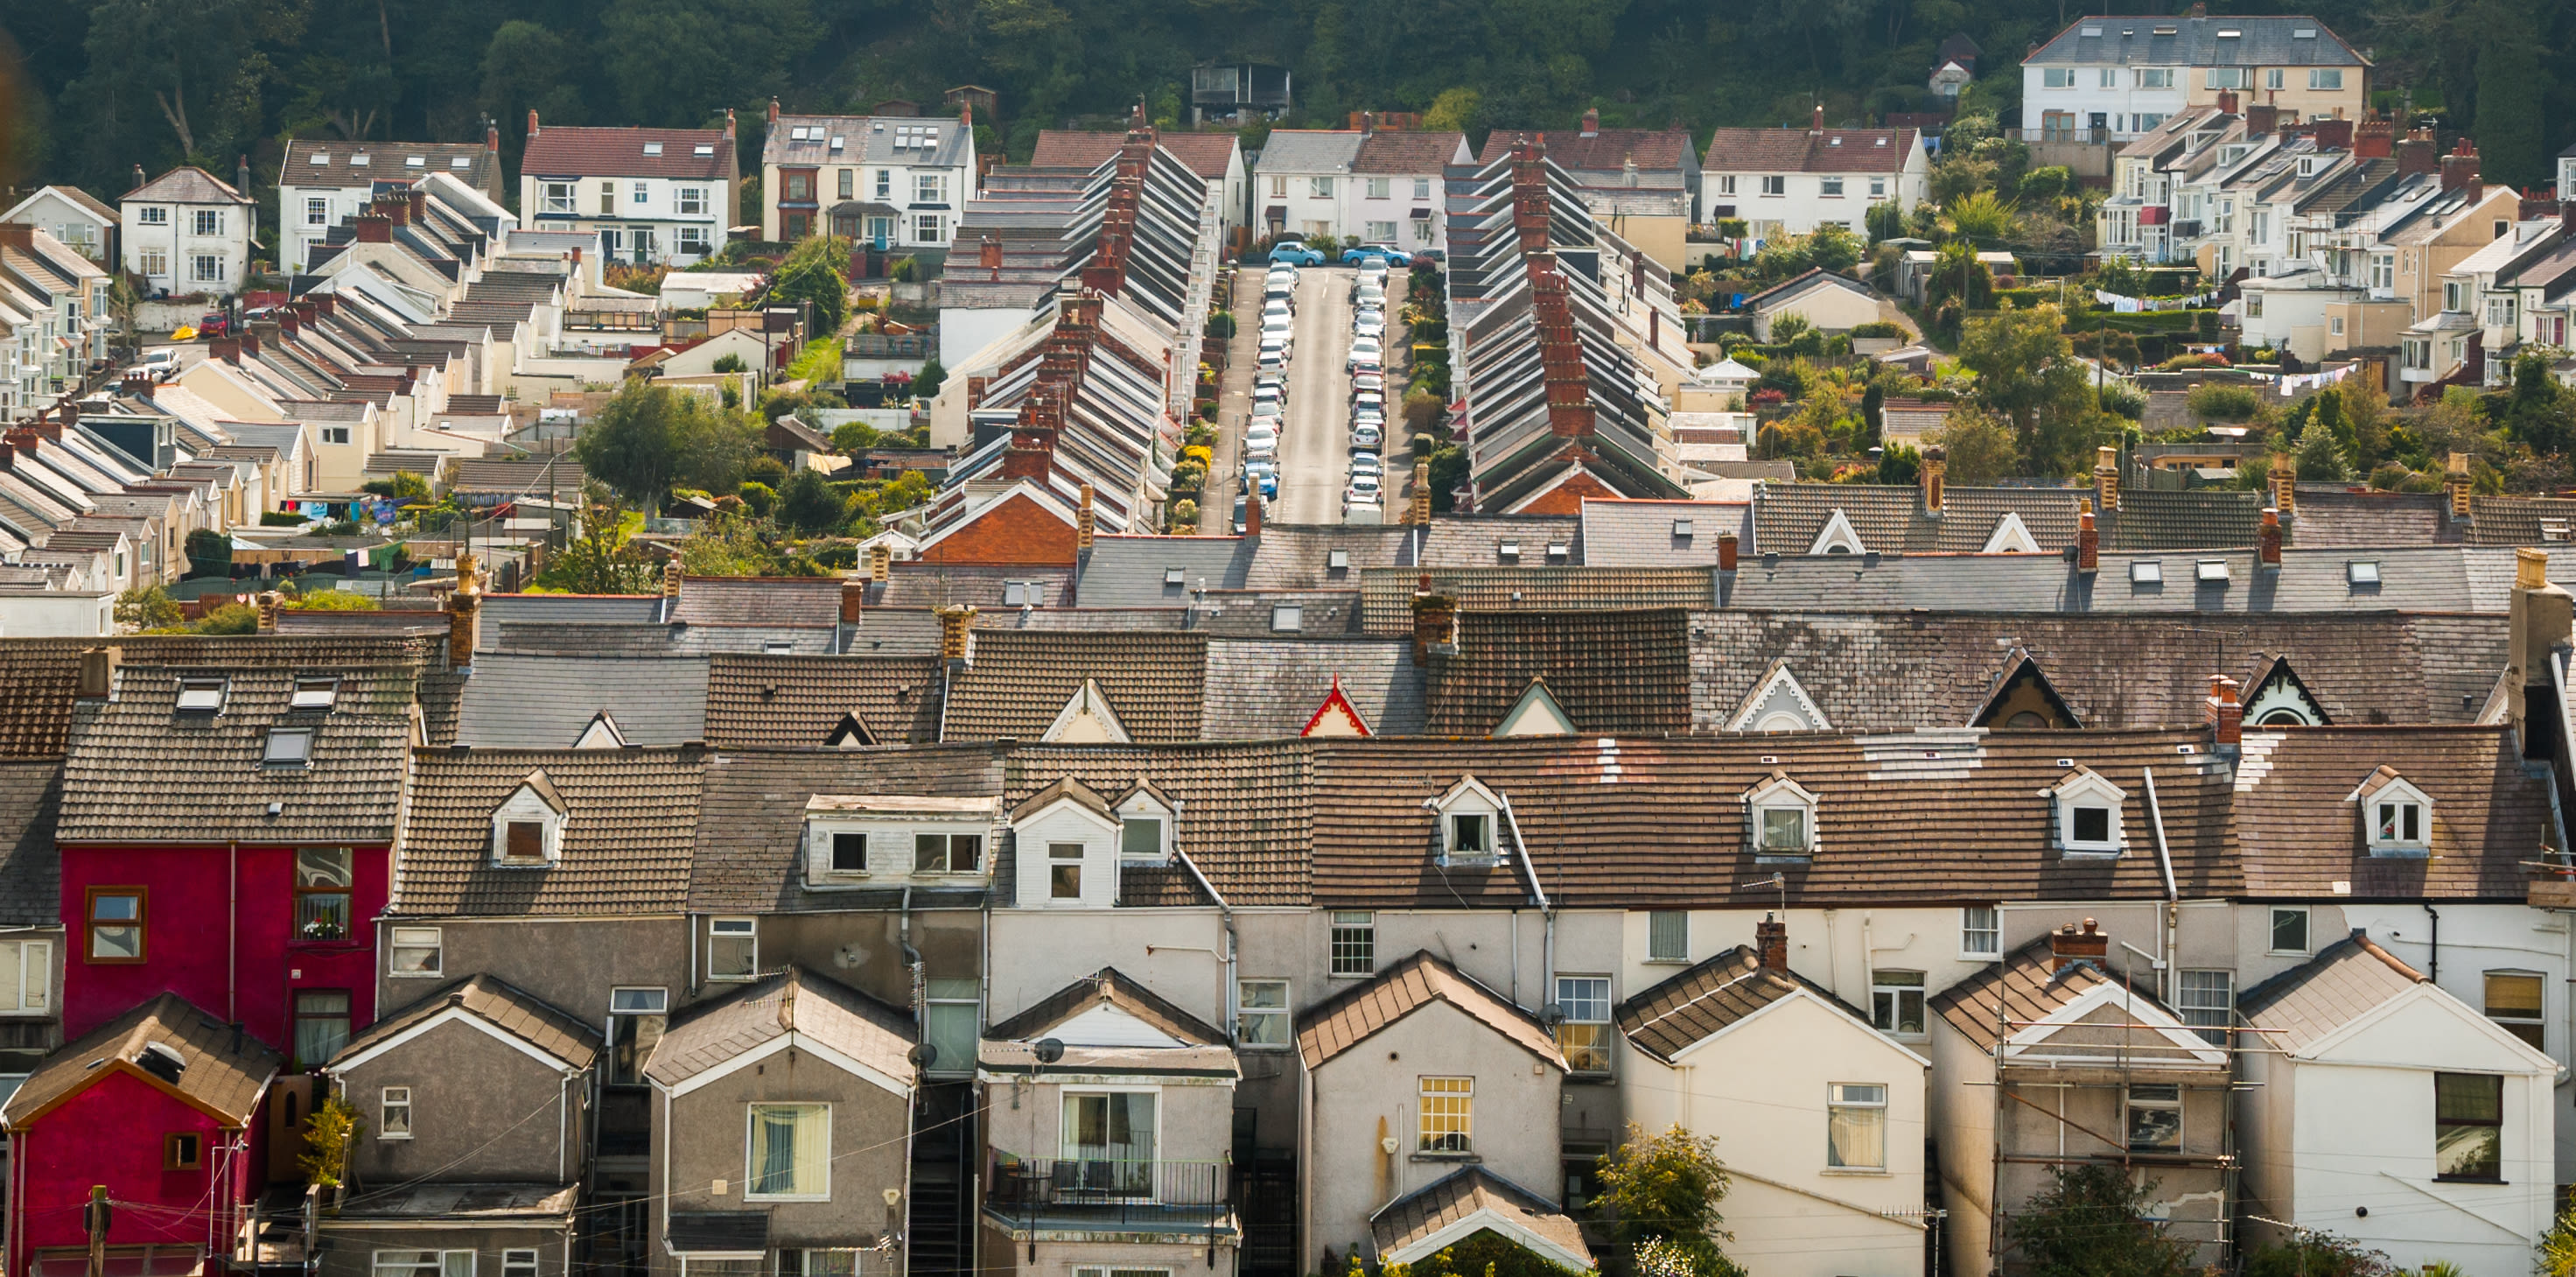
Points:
(1363, 252)
(1295, 254)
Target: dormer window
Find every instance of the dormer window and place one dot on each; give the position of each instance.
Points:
(1780, 818)
(1558, 551)
(1337, 560)
(2088, 814)
(315, 693)
(201, 695)
(1470, 817)
(1510, 551)
(288, 747)
(1471, 834)
(850, 836)
(1146, 820)
(527, 828)
(2397, 817)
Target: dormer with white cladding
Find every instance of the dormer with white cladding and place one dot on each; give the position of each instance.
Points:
(1779, 704)
(2086, 814)
(2396, 817)
(893, 839)
(1838, 536)
(1146, 821)
(527, 828)
(1065, 841)
(1470, 819)
(1086, 719)
(1780, 819)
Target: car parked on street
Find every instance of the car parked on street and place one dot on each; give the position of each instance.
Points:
(1378, 253)
(1363, 488)
(1368, 381)
(1368, 463)
(1368, 437)
(1365, 352)
(1295, 253)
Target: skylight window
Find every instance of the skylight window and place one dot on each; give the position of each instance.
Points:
(358, 161)
(415, 161)
(2362, 572)
(288, 747)
(1173, 576)
(318, 158)
(316, 692)
(1287, 618)
(838, 141)
(2303, 33)
(2092, 31)
(705, 150)
(2147, 572)
(652, 148)
(2212, 570)
(1681, 527)
(1557, 551)
(1511, 551)
(460, 163)
(1337, 560)
(201, 695)
(2230, 34)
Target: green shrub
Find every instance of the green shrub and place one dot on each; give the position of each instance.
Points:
(2224, 401)
(331, 601)
(281, 519)
(1878, 328)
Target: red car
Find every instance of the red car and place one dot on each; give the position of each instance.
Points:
(214, 323)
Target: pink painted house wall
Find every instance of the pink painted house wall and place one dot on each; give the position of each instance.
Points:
(111, 1133)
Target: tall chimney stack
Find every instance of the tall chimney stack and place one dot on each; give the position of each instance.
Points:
(2069, 945)
(1771, 943)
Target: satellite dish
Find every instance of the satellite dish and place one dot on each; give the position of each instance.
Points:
(1551, 1015)
(924, 1054)
(1048, 1050)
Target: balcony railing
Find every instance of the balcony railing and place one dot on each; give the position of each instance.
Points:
(1124, 1196)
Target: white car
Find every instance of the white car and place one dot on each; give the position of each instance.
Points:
(1368, 323)
(1364, 489)
(1367, 463)
(1365, 353)
(1369, 295)
(1367, 437)
(1276, 308)
(1262, 434)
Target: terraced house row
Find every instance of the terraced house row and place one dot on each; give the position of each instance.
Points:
(756, 927)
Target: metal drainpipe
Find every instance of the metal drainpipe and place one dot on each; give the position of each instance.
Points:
(232, 932)
(912, 960)
(2433, 970)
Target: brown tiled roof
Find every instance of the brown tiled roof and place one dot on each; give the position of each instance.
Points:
(2342, 516)
(2019, 989)
(223, 1071)
(38, 676)
(2301, 829)
(1020, 680)
(1953, 817)
(1386, 594)
(515, 1011)
(517, 478)
(1266, 689)
(2347, 979)
(1343, 1021)
(141, 771)
(31, 794)
(1406, 151)
(803, 700)
(796, 1001)
(1613, 673)
(1246, 813)
(1420, 1216)
(1208, 155)
(749, 816)
(631, 820)
(1799, 150)
(2191, 519)
(1112, 987)
(1604, 151)
(808, 601)
(565, 151)
(1713, 995)
(1300, 558)
(2516, 520)
(186, 184)
(1788, 517)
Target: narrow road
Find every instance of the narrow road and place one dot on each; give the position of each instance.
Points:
(1314, 452)
(1233, 408)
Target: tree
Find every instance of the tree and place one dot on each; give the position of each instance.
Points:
(2319, 456)
(2314, 1254)
(210, 553)
(403, 486)
(1980, 447)
(2537, 412)
(2026, 370)
(1873, 424)
(327, 600)
(329, 1131)
(729, 363)
(599, 559)
(727, 545)
(147, 607)
(808, 503)
(851, 438)
(1456, 110)
(933, 376)
(815, 272)
(2088, 1224)
(2512, 92)
(1666, 1188)
(647, 437)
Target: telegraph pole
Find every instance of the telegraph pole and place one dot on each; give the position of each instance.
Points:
(95, 1216)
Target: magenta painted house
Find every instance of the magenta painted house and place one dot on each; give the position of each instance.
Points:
(226, 836)
(158, 1105)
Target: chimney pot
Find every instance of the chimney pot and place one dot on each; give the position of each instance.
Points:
(2088, 542)
(1726, 552)
(1435, 624)
(2071, 944)
(957, 635)
(2225, 714)
(1771, 943)
(2268, 539)
(1935, 478)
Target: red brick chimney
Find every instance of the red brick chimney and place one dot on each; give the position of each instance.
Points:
(2460, 167)
(989, 254)
(2261, 118)
(1771, 943)
(492, 136)
(250, 344)
(2267, 539)
(1592, 122)
(2225, 714)
(1816, 126)
(2371, 139)
(2227, 101)
(19, 235)
(2416, 153)
(1435, 623)
(227, 349)
(2088, 542)
(2331, 135)
(1726, 552)
(532, 121)
(773, 109)
(1252, 511)
(373, 228)
(2067, 945)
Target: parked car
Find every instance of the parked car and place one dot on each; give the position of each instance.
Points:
(1295, 254)
(1367, 463)
(1369, 296)
(1369, 401)
(1369, 381)
(1369, 437)
(1377, 252)
(1261, 436)
(1368, 323)
(1277, 306)
(1266, 403)
(1272, 359)
(1364, 488)
(1364, 353)
(1239, 524)
(214, 323)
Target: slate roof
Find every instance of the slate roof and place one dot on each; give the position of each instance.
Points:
(1949, 816)
(1420, 1215)
(630, 822)
(2301, 828)
(31, 793)
(801, 700)
(1407, 152)
(515, 1011)
(38, 676)
(865, 139)
(1600, 151)
(1710, 996)
(186, 184)
(2188, 519)
(1639, 534)
(139, 770)
(1112, 987)
(2019, 988)
(1265, 689)
(224, 1070)
(1475, 541)
(914, 584)
(2341, 516)
(560, 476)
(313, 162)
(1300, 558)
(2421, 579)
(1246, 814)
(1800, 150)
(2259, 41)
(531, 701)
(783, 602)
(1869, 672)
(749, 815)
(559, 150)
(1019, 681)
(1352, 1016)
(1386, 594)
(1613, 673)
(814, 1007)
(1124, 571)
(1304, 151)
(1788, 517)
(2505, 520)
(2346, 980)
(1207, 155)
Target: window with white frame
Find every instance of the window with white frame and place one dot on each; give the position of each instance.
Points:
(2057, 78)
(790, 1153)
(1352, 948)
(1775, 184)
(1584, 1032)
(317, 210)
(692, 200)
(335, 434)
(1261, 1014)
(415, 951)
(2289, 929)
(947, 853)
(2383, 272)
(639, 193)
(2514, 1000)
(733, 948)
(1780, 817)
(925, 229)
(424, 1263)
(2155, 77)
(1319, 188)
(1142, 834)
(1668, 936)
(1830, 187)
(2225, 78)
(2455, 296)
(26, 976)
(1382, 232)
(518, 1263)
(813, 1261)
(951, 1022)
(207, 221)
(2088, 813)
(155, 261)
(848, 850)
(393, 1114)
(561, 197)
(1381, 188)
(2398, 817)
(1856, 1126)
(1981, 931)
(1064, 871)
(2155, 1118)
(206, 268)
(2207, 1000)
(1896, 1002)
(152, 215)
(636, 1017)
(1726, 184)
(1422, 188)
(1878, 188)
(1279, 188)
(2327, 79)
(929, 188)
(1448, 1115)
